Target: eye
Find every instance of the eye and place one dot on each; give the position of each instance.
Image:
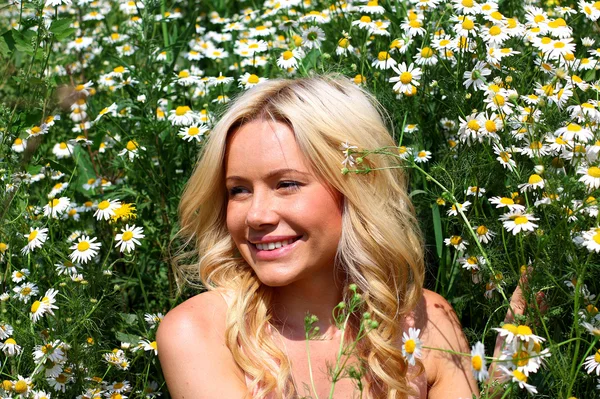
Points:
(235, 190)
(290, 185)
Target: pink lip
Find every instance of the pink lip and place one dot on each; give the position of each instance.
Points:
(276, 253)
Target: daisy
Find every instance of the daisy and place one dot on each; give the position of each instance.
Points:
(509, 203)
(365, 22)
(591, 239)
(20, 275)
(519, 378)
(10, 347)
(478, 365)
(413, 27)
(457, 242)
(426, 56)
(6, 330)
(484, 235)
(472, 263)
(534, 181)
(57, 189)
(194, 132)
(249, 80)
(517, 222)
(591, 177)
(25, 292)
(182, 116)
(35, 239)
(85, 249)
(453, 211)
(408, 77)
(62, 150)
(19, 145)
(312, 37)
(44, 305)
(128, 238)
(289, 58)
(56, 206)
(106, 209)
(411, 345)
(383, 61)
(149, 346)
(132, 150)
(592, 363)
(422, 156)
(476, 77)
(153, 319)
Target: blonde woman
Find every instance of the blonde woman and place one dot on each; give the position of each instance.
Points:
(278, 232)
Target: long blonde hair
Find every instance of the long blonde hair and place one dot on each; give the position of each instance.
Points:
(380, 249)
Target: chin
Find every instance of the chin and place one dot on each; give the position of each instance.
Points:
(276, 278)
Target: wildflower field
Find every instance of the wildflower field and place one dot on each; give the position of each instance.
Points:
(104, 106)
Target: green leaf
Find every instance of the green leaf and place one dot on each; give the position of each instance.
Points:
(8, 39)
(60, 25)
(22, 43)
(437, 228)
(129, 318)
(129, 338)
(416, 192)
(56, 166)
(4, 49)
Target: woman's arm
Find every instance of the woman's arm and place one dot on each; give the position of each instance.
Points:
(195, 361)
(450, 376)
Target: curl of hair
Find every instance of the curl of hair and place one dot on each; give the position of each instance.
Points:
(380, 249)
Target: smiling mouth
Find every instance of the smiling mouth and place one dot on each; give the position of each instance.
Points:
(275, 245)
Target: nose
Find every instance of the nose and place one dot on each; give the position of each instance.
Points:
(262, 211)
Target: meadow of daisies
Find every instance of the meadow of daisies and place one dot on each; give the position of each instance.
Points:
(105, 104)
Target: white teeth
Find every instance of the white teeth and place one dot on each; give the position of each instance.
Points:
(273, 245)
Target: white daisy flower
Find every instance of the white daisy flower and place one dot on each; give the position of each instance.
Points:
(249, 80)
(591, 239)
(6, 330)
(149, 346)
(411, 345)
(44, 305)
(24, 292)
(153, 319)
(194, 132)
(289, 58)
(457, 242)
(35, 239)
(407, 79)
(10, 347)
(385, 61)
(505, 202)
(517, 222)
(453, 211)
(85, 249)
(20, 275)
(132, 150)
(182, 116)
(56, 207)
(478, 365)
(534, 181)
(106, 209)
(591, 176)
(129, 237)
(19, 145)
(519, 378)
(312, 37)
(592, 363)
(422, 156)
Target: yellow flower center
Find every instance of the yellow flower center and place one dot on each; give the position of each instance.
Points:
(476, 362)
(35, 306)
(119, 69)
(21, 386)
(467, 3)
(490, 126)
(495, 30)
(103, 205)
(594, 171)
(253, 79)
(182, 110)
(482, 230)
(32, 235)
(132, 145)
(410, 346)
(535, 178)
(426, 52)
(128, 235)
(343, 42)
(535, 145)
(455, 240)
(365, 19)
(521, 220)
(520, 358)
(383, 56)
(597, 356)
(506, 201)
(499, 100)
(406, 77)
(415, 23)
(184, 74)
(468, 24)
(83, 246)
(524, 330)
(288, 55)
(519, 376)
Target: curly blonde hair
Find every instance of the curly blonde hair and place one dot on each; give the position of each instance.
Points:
(380, 249)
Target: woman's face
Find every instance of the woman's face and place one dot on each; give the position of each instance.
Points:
(275, 199)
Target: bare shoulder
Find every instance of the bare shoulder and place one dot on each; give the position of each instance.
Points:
(449, 374)
(192, 351)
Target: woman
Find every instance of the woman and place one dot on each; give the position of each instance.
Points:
(280, 232)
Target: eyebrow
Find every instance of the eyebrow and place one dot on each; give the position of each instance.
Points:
(271, 174)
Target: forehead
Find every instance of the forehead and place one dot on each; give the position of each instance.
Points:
(257, 147)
